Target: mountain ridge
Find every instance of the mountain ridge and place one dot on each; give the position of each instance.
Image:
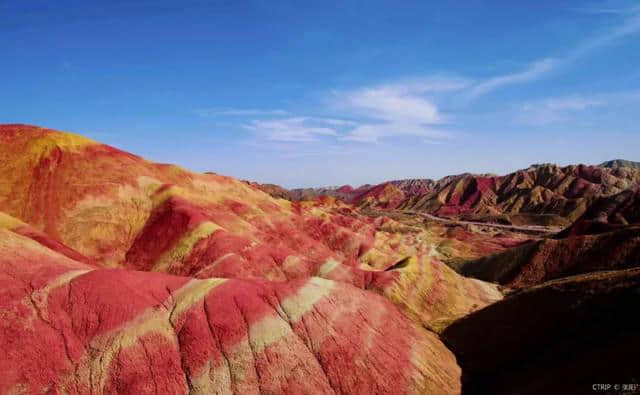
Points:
(535, 193)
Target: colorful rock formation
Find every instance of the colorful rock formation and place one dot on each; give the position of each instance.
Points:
(121, 275)
(137, 277)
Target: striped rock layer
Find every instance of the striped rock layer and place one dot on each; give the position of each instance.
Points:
(69, 327)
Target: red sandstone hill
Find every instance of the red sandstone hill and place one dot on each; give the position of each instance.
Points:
(126, 276)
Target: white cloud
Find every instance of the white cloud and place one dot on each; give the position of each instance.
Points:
(298, 129)
(387, 103)
(407, 108)
(408, 101)
(400, 109)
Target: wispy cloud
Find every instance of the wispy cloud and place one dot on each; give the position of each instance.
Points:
(418, 107)
(533, 72)
(573, 103)
(616, 10)
(334, 121)
(372, 133)
(628, 25)
(552, 110)
(297, 129)
(561, 109)
(239, 112)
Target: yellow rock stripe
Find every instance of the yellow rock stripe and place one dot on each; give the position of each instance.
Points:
(184, 246)
(307, 296)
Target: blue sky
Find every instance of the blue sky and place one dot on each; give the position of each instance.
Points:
(332, 93)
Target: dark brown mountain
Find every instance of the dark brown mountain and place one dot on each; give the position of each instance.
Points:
(547, 259)
(561, 337)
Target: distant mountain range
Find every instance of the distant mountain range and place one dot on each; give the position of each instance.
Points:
(544, 194)
(620, 163)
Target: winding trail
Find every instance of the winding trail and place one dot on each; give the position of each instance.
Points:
(517, 228)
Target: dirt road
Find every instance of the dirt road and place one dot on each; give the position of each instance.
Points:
(515, 228)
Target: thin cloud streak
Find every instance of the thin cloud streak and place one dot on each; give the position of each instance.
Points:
(629, 26)
(297, 129)
(561, 109)
(372, 133)
(216, 112)
(533, 72)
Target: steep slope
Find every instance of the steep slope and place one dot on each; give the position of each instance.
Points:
(533, 263)
(563, 336)
(605, 237)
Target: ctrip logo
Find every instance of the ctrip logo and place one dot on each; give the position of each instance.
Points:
(616, 387)
(601, 387)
